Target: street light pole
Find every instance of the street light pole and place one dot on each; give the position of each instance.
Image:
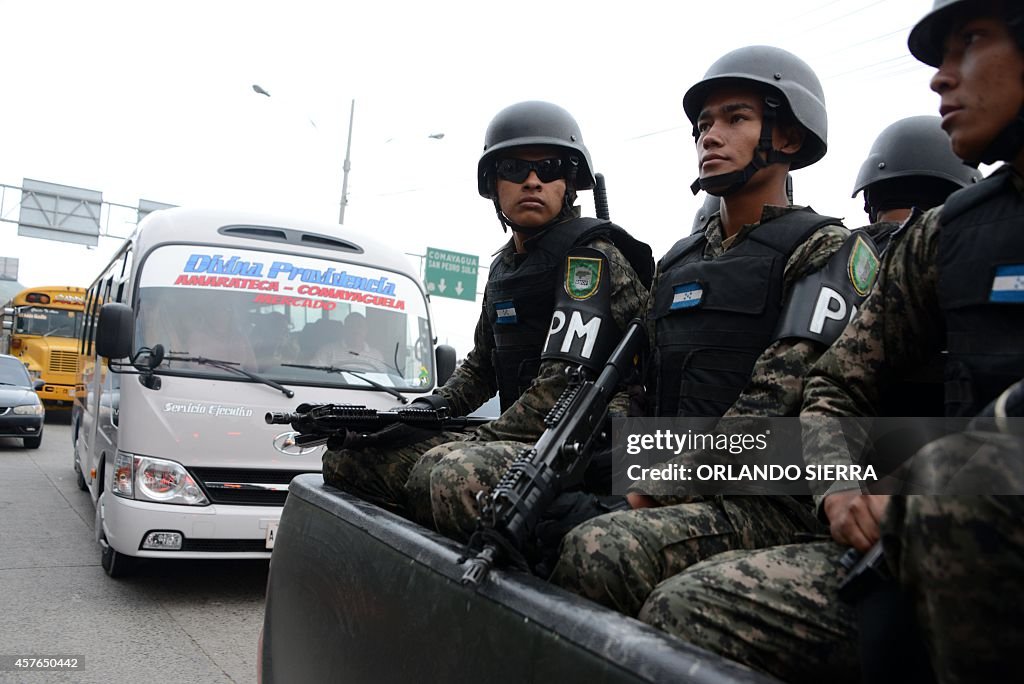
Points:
(346, 166)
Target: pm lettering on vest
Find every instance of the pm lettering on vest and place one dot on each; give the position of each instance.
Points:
(562, 335)
(830, 306)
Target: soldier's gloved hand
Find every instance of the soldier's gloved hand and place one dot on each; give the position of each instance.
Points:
(431, 401)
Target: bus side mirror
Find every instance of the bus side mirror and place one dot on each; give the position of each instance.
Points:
(445, 356)
(8, 324)
(114, 331)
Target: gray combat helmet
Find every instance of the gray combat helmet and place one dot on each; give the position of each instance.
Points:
(915, 146)
(534, 123)
(928, 35)
(785, 74)
(926, 38)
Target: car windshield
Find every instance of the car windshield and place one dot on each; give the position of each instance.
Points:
(291, 319)
(38, 320)
(12, 372)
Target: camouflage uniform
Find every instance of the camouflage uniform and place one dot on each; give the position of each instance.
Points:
(458, 473)
(398, 476)
(959, 559)
(776, 610)
(617, 559)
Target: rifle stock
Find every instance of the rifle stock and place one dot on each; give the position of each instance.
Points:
(510, 512)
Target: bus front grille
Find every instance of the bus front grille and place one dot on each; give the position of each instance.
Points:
(245, 487)
(64, 361)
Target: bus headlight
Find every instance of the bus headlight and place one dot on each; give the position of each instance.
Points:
(29, 410)
(154, 479)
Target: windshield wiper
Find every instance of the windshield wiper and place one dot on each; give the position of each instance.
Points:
(337, 369)
(230, 366)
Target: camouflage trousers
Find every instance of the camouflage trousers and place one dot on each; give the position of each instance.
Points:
(459, 474)
(396, 476)
(958, 559)
(617, 559)
(776, 610)
(959, 554)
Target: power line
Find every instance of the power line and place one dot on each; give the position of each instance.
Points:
(869, 40)
(843, 16)
(816, 9)
(865, 67)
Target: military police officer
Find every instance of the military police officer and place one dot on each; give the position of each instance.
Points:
(590, 272)
(952, 280)
(910, 165)
(731, 320)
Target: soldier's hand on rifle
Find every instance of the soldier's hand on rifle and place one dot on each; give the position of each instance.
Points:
(854, 518)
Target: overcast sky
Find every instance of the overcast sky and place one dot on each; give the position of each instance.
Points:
(153, 100)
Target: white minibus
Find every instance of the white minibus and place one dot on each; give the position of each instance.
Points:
(223, 318)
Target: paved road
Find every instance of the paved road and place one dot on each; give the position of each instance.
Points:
(186, 621)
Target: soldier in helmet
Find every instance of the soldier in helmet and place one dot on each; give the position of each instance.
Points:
(952, 280)
(729, 321)
(534, 163)
(557, 263)
(910, 166)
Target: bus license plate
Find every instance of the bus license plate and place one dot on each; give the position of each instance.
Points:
(271, 534)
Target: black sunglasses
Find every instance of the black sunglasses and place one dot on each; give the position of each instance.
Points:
(518, 170)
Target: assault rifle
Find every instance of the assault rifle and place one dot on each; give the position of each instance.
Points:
(317, 423)
(510, 512)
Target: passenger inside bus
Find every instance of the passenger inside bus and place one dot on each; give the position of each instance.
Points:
(352, 349)
(273, 342)
(216, 331)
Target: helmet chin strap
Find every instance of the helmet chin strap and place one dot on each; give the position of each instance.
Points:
(726, 183)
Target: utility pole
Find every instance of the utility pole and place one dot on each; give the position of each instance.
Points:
(346, 166)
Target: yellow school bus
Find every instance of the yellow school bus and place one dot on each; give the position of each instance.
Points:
(40, 327)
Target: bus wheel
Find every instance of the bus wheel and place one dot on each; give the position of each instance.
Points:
(31, 442)
(80, 479)
(115, 564)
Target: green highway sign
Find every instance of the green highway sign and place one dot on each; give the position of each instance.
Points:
(450, 274)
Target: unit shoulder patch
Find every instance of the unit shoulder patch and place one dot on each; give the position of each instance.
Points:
(582, 277)
(862, 267)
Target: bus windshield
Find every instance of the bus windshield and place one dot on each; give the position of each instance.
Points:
(292, 319)
(38, 320)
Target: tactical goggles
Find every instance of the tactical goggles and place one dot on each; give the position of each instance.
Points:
(518, 170)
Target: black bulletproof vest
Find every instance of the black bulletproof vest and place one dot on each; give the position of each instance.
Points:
(715, 317)
(520, 298)
(981, 292)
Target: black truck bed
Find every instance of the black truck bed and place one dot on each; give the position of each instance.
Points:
(357, 594)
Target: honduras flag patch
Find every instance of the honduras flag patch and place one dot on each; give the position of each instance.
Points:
(1008, 285)
(506, 313)
(686, 296)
